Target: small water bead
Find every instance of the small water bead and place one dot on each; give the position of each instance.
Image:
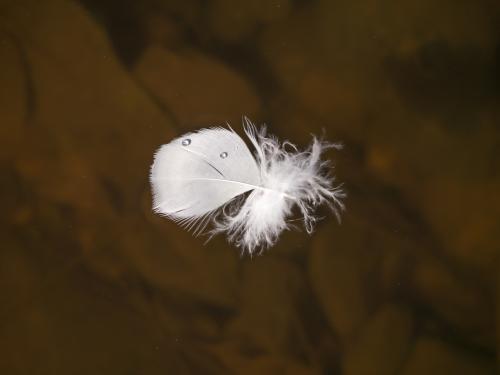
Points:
(223, 155)
(186, 142)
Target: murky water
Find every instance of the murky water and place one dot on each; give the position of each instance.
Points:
(92, 282)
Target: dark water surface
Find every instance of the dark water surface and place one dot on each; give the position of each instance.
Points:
(91, 282)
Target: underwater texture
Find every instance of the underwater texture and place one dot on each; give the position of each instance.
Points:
(93, 282)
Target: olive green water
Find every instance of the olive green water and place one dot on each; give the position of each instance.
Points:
(91, 282)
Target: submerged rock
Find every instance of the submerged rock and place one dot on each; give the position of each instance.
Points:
(432, 356)
(196, 89)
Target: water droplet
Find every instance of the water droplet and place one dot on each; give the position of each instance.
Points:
(186, 142)
(223, 155)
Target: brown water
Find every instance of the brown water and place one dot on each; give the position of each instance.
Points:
(91, 282)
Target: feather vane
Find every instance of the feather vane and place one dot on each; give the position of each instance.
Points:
(211, 176)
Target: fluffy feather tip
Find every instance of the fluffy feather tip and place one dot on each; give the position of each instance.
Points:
(221, 171)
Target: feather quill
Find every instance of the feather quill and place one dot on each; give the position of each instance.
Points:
(211, 176)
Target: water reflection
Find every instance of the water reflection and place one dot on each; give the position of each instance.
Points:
(93, 283)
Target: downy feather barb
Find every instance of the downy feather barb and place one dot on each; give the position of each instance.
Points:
(211, 176)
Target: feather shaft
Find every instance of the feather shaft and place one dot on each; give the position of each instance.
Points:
(196, 176)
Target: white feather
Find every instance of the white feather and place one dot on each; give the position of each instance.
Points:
(195, 175)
